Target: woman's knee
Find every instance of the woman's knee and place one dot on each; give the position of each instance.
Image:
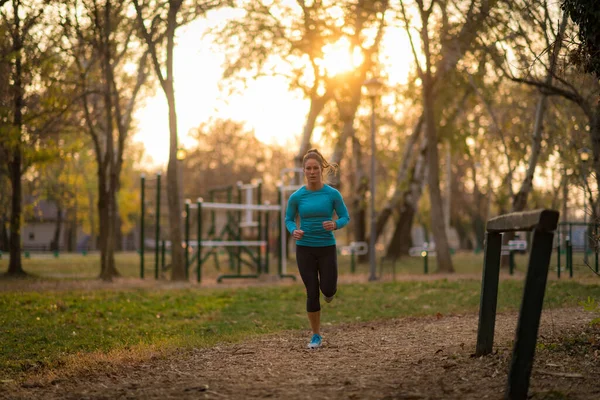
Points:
(329, 291)
(313, 304)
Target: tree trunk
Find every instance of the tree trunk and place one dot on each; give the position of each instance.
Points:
(401, 239)
(15, 267)
(478, 211)
(118, 229)
(401, 179)
(359, 204)
(177, 256)
(94, 237)
(407, 206)
(316, 106)
(102, 228)
(520, 199)
(438, 227)
(340, 147)
(55, 243)
(4, 241)
(595, 140)
(108, 269)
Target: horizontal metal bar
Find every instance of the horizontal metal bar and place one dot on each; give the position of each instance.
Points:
(248, 186)
(234, 206)
(231, 243)
(289, 188)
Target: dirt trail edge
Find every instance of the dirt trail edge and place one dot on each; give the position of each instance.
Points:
(405, 358)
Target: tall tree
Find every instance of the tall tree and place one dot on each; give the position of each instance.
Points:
(101, 47)
(455, 40)
(567, 80)
(31, 106)
(541, 17)
(265, 33)
(164, 19)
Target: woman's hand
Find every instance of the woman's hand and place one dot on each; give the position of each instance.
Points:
(297, 234)
(329, 225)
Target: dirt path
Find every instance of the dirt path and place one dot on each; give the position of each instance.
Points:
(408, 358)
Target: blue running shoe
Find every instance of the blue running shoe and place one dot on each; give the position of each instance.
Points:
(315, 342)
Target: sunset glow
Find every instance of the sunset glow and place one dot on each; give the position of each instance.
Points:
(267, 106)
(339, 57)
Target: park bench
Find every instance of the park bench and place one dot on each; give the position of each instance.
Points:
(542, 223)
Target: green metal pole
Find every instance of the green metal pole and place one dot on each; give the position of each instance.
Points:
(239, 232)
(558, 255)
(157, 228)
(143, 217)
(162, 254)
(569, 256)
(231, 218)
(199, 251)
(511, 262)
(596, 249)
(425, 262)
(213, 217)
(187, 239)
(267, 247)
(259, 201)
(280, 215)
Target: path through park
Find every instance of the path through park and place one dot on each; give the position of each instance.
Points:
(407, 358)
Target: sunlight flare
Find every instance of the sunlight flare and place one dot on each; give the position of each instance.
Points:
(340, 57)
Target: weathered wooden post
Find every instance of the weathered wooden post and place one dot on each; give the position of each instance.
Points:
(543, 224)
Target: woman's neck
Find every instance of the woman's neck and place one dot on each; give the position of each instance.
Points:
(315, 186)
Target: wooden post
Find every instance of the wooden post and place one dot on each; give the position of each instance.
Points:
(529, 316)
(543, 224)
(489, 293)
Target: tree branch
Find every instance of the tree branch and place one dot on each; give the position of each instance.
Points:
(410, 38)
(552, 90)
(151, 45)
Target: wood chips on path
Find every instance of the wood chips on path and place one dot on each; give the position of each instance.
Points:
(404, 358)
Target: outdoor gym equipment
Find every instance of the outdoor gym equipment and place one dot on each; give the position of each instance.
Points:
(354, 249)
(425, 252)
(239, 217)
(157, 241)
(199, 244)
(565, 231)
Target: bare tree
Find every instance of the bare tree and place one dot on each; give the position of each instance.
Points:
(164, 19)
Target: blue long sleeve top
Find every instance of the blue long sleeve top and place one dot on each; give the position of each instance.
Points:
(314, 207)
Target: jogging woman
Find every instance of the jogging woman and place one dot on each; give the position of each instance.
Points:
(316, 253)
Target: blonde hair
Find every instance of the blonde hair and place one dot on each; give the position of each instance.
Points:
(328, 169)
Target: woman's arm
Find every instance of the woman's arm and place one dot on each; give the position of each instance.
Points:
(340, 210)
(290, 214)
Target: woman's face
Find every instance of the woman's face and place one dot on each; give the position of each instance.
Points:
(312, 171)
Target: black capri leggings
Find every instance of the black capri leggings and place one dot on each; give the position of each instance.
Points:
(317, 264)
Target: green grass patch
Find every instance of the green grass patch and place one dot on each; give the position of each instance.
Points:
(43, 329)
(69, 266)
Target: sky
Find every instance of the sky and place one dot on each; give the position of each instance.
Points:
(267, 106)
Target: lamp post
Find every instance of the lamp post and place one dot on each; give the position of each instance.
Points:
(584, 156)
(373, 87)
